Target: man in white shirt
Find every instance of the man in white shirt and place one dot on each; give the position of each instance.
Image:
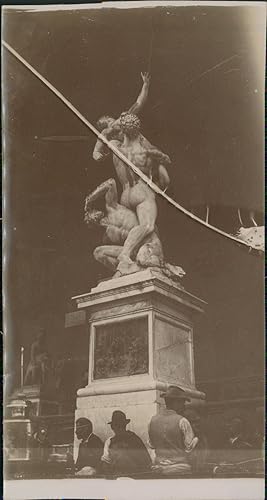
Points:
(171, 435)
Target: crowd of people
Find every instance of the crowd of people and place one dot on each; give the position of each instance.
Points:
(180, 442)
(177, 442)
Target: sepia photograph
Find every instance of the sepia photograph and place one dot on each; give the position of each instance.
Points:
(133, 250)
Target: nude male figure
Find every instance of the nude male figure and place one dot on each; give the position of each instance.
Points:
(118, 222)
(136, 195)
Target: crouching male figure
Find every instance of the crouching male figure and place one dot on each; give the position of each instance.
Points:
(171, 435)
(90, 449)
(124, 453)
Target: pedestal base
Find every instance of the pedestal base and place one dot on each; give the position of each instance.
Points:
(139, 406)
(141, 341)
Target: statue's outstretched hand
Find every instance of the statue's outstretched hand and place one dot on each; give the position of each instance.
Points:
(146, 77)
(159, 156)
(97, 156)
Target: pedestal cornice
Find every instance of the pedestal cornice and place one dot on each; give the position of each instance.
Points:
(109, 387)
(138, 284)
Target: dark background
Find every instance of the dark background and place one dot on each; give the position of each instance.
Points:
(205, 113)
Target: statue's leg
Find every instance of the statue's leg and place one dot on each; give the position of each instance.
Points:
(108, 255)
(146, 214)
(107, 188)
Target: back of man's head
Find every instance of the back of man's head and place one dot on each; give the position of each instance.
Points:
(130, 124)
(84, 427)
(177, 405)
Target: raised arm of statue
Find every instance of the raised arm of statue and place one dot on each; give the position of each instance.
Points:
(137, 107)
(111, 127)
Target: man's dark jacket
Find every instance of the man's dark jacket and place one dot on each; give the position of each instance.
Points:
(129, 454)
(90, 452)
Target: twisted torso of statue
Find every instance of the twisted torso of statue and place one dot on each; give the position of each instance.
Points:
(135, 191)
(136, 194)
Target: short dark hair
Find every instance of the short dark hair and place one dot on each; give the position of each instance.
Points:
(85, 422)
(129, 123)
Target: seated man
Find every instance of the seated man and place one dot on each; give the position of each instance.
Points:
(124, 453)
(171, 435)
(90, 448)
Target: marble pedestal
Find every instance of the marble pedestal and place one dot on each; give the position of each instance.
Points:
(141, 341)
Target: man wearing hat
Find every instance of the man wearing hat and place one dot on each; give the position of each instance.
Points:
(125, 452)
(171, 435)
(90, 448)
